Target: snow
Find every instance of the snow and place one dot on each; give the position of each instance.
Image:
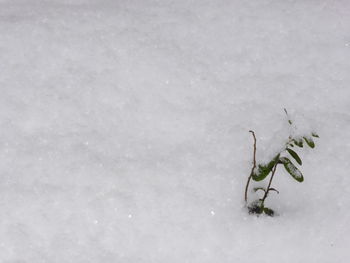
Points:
(124, 129)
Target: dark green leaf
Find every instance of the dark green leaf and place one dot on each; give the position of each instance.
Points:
(298, 142)
(315, 135)
(269, 211)
(295, 156)
(263, 170)
(291, 169)
(310, 142)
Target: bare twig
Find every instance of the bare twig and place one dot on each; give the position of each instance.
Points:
(252, 171)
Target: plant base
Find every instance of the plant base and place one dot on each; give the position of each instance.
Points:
(257, 207)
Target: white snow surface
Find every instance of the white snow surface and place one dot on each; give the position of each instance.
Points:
(124, 130)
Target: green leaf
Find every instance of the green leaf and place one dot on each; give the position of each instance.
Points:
(315, 135)
(310, 142)
(269, 211)
(298, 142)
(264, 170)
(295, 156)
(292, 170)
(259, 188)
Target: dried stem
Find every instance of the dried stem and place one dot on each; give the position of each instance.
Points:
(252, 171)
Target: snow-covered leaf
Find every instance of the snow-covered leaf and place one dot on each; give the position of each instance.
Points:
(273, 189)
(309, 141)
(298, 142)
(259, 188)
(295, 156)
(263, 170)
(292, 169)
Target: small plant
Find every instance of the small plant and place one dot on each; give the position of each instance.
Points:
(261, 171)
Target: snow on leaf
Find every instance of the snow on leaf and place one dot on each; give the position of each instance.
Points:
(292, 169)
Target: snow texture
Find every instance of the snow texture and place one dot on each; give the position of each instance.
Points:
(124, 130)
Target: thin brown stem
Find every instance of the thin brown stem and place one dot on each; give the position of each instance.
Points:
(269, 185)
(252, 171)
